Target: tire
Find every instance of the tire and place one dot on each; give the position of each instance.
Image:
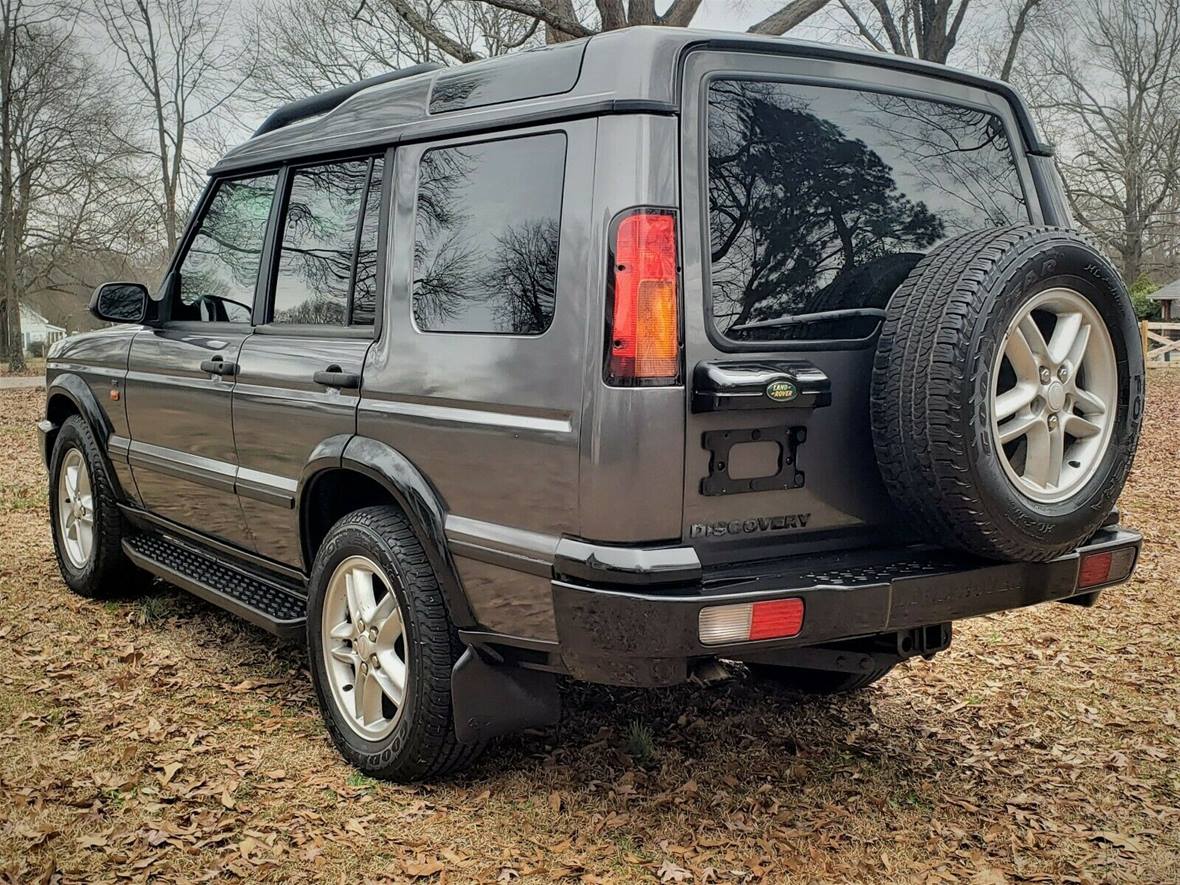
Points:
(414, 740)
(817, 682)
(105, 572)
(942, 359)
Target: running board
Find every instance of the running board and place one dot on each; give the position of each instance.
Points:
(261, 602)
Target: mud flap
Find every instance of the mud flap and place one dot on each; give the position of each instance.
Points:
(490, 700)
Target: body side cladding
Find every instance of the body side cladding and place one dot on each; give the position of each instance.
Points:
(411, 491)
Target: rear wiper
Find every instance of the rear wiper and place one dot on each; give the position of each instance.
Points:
(801, 319)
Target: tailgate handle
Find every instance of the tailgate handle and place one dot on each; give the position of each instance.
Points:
(723, 385)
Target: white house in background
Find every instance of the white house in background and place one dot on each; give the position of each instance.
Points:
(1169, 298)
(34, 327)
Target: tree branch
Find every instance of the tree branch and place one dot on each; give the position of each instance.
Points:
(790, 16)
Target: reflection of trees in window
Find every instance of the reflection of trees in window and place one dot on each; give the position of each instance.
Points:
(961, 153)
(319, 238)
(364, 292)
(221, 266)
(524, 271)
(809, 211)
(486, 236)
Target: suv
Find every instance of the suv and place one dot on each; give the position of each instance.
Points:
(609, 360)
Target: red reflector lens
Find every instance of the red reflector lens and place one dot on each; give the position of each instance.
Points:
(776, 619)
(1094, 569)
(643, 342)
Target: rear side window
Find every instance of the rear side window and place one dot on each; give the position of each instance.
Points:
(327, 261)
(823, 199)
(220, 270)
(486, 232)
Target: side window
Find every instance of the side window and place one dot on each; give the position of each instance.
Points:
(220, 270)
(824, 198)
(486, 233)
(328, 246)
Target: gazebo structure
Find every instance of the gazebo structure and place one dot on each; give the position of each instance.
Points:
(1169, 299)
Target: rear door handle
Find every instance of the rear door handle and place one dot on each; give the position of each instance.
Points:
(334, 377)
(219, 366)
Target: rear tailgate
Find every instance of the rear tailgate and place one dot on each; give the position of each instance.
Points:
(806, 202)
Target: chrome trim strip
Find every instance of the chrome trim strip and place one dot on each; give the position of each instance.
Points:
(119, 448)
(266, 487)
(513, 548)
(469, 415)
(183, 465)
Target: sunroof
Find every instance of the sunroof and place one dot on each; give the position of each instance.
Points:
(532, 74)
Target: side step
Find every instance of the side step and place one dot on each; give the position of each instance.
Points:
(265, 603)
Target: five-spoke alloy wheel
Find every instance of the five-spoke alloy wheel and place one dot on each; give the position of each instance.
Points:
(75, 509)
(382, 648)
(364, 638)
(1054, 387)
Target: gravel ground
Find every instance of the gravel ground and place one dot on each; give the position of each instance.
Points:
(158, 738)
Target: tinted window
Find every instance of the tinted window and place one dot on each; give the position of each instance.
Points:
(364, 297)
(486, 232)
(325, 206)
(824, 199)
(220, 270)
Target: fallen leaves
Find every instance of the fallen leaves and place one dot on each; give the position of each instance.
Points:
(1039, 749)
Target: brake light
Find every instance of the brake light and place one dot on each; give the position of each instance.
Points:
(750, 621)
(643, 335)
(1105, 567)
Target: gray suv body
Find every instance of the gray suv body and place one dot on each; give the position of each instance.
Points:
(572, 362)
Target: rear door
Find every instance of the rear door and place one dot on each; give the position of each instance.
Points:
(181, 373)
(299, 376)
(813, 199)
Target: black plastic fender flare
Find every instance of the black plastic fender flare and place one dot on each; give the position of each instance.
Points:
(410, 490)
(78, 392)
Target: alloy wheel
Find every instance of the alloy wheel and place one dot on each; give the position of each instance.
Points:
(366, 650)
(75, 508)
(1054, 392)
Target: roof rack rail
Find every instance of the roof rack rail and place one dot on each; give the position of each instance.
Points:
(301, 109)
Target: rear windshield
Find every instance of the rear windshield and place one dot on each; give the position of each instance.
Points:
(823, 199)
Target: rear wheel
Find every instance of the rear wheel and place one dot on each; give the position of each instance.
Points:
(817, 682)
(381, 648)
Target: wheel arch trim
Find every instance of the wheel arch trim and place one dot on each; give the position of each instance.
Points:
(73, 388)
(409, 489)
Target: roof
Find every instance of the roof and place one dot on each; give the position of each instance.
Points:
(1170, 292)
(628, 70)
(30, 317)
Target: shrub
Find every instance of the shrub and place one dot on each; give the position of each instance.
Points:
(36, 349)
(1145, 308)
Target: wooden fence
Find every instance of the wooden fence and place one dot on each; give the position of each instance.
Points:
(1161, 343)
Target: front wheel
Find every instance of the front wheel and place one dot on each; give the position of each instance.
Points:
(381, 648)
(87, 525)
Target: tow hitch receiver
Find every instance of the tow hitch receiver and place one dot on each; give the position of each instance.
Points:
(863, 655)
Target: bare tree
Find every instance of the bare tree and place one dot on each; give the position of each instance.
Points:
(307, 48)
(565, 20)
(182, 66)
(1108, 92)
(64, 187)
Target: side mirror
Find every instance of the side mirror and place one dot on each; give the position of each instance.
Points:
(120, 302)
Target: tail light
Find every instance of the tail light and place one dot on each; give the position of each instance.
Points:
(750, 621)
(643, 309)
(1105, 567)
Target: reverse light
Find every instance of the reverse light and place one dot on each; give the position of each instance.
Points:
(1105, 567)
(750, 621)
(643, 333)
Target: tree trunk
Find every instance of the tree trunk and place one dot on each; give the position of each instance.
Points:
(10, 294)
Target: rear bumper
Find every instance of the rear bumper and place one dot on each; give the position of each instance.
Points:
(647, 633)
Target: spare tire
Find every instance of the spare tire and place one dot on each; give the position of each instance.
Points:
(1007, 392)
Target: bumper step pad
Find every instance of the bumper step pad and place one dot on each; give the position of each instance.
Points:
(252, 597)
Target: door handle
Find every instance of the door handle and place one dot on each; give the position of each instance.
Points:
(334, 377)
(219, 366)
